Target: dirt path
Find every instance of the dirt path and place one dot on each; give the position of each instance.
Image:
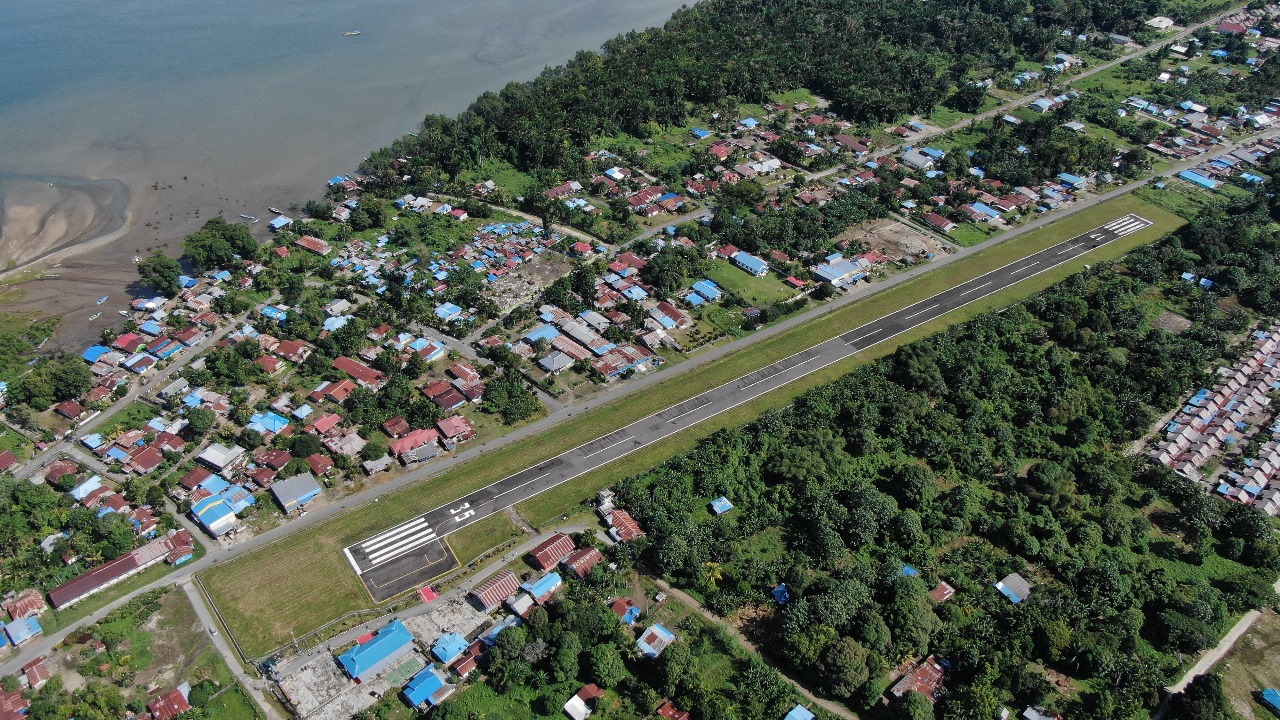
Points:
(685, 598)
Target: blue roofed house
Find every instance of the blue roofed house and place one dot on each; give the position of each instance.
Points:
(543, 588)
(390, 643)
(545, 333)
(448, 311)
(841, 272)
(94, 353)
(449, 647)
(214, 515)
(751, 263)
(20, 631)
(280, 222)
(1075, 182)
(654, 640)
(428, 687)
(799, 713)
(708, 290)
(721, 505)
(267, 422)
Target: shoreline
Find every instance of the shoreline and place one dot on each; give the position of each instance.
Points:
(57, 205)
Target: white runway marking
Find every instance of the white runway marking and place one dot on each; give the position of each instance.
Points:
(920, 312)
(975, 289)
(597, 452)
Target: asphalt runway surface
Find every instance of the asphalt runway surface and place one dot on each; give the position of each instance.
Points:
(403, 556)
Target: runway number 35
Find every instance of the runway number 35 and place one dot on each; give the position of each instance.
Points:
(459, 515)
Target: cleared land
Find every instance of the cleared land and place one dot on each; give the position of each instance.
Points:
(1252, 665)
(310, 582)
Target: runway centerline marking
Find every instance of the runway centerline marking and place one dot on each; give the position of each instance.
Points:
(921, 312)
(975, 289)
(606, 447)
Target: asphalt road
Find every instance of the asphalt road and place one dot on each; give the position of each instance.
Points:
(401, 545)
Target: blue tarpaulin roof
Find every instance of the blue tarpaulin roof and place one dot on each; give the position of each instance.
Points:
(781, 594)
(721, 505)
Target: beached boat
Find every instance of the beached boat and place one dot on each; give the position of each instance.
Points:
(248, 217)
(95, 316)
(123, 313)
(136, 259)
(349, 33)
(103, 299)
(276, 210)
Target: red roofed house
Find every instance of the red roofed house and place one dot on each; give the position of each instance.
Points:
(493, 591)
(7, 460)
(939, 223)
(37, 673)
(925, 678)
(277, 459)
(169, 706)
(581, 562)
(457, 428)
(270, 364)
(69, 409)
(58, 468)
(360, 372)
(194, 478)
(551, 551)
(727, 251)
(320, 463)
(294, 351)
(325, 424)
(25, 604)
(465, 372)
(13, 706)
(314, 244)
(623, 527)
(1231, 28)
(145, 459)
(668, 710)
(413, 441)
(396, 426)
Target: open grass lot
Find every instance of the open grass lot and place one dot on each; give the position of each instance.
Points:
(303, 581)
(1253, 664)
(943, 116)
(970, 234)
(1179, 197)
(131, 417)
(11, 439)
(755, 290)
(472, 541)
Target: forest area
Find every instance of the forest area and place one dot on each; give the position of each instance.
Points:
(874, 61)
(999, 446)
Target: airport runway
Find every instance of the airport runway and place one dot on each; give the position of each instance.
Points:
(407, 554)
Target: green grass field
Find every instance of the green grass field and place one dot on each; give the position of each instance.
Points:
(129, 418)
(11, 439)
(755, 290)
(970, 234)
(301, 582)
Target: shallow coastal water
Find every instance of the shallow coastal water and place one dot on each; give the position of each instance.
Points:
(188, 109)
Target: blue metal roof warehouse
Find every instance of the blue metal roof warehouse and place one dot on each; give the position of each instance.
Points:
(392, 642)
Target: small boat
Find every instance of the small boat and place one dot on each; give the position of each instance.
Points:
(123, 313)
(255, 221)
(103, 299)
(276, 210)
(136, 259)
(349, 33)
(248, 217)
(95, 316)
(42, 342)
